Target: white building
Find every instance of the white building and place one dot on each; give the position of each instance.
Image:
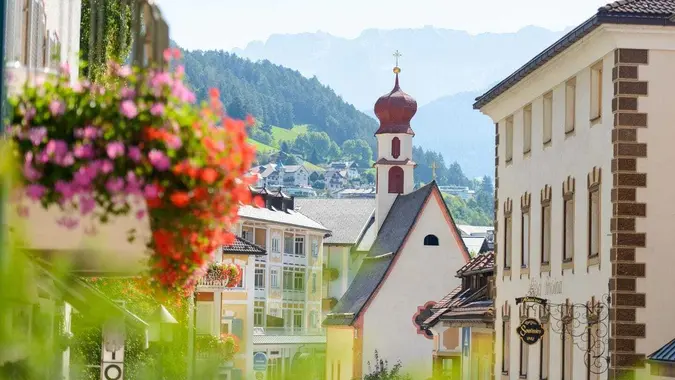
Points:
(416, 246)
(583, 204)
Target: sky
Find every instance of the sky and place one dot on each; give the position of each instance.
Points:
(226, 24)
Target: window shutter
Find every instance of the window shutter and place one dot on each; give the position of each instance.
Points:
(238, 328)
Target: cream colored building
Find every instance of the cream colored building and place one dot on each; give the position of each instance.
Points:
(583, 147)
(276, 308)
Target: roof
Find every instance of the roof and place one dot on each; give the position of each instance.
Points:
(465, 305)
(293, 168)
(636, 12)
(474, 244)
(244, 246)
(289, 218)
(397, 225)
(347, 218)
(474, 231)
(368, 236)
(665, 353)
(481, 263)
(289, 339)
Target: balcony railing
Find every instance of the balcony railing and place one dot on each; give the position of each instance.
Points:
(289, 331)
(294, 295)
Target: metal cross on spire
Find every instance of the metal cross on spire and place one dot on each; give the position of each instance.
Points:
(397, 55)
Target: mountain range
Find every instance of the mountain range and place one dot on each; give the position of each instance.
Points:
(443, 69)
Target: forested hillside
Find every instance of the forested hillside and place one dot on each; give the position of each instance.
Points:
(276, 95)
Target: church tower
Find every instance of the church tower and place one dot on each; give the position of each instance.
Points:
(394, 163)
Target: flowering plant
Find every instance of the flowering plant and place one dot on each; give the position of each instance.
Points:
(95, 151)
(224, 346)
(229, 273)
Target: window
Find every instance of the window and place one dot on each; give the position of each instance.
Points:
(544, 353)
(548, 118)
(568, 230)
(259, 276)
(506, 329)
(566, 357)
(507, 242)
(594, 222)
(298, 281)
(546, 234)
(395, 147)
(315, 248)
(247, 233)
(297, 318)
(259, 313)
(313, 282)
(288, 243)
(395, 180)
(570, 100)
(525, 239)
(300, 245)
(527, 129)
(243, 276)
(276, 243)
(509, 140)
(524, 353)
(288, 279)
(596, 91)
(274, 278)
(430, 240)
(313, 320)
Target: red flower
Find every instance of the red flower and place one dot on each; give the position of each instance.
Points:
(209, 175)
(153, 202)
(214, 93)
(180, 199)
(200, 194)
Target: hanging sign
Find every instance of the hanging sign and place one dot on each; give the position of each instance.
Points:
(530, 331)
(537, 300)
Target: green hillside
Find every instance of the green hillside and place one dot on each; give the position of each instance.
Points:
(289, 135)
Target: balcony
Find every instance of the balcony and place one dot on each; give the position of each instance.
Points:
(289, 335)
(293, 295)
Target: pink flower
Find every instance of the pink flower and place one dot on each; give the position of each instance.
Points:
(88, 132)
(64, 68)
(68, 222)
(65, 189)
(114, 185)
(124, 71)
(56, 148)
(66, 160)
(159, 160)
(87, 205)
(157, 109)
(128, 109)
(159, 79)
(35, 191)
(57, 108)
(140, 214)
(37, 135)
(135, 154)
(134, 184)
(174, 142)
(83, 177)
(151, 191)
(106, 166)
(115, 149)
(84, 151)
(30, 173)
(127, 93)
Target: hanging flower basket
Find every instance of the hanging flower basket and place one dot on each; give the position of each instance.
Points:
(225, 274)
(96, 151)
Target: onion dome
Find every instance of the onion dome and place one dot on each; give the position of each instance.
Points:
(395, 110)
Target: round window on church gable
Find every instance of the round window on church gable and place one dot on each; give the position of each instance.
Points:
(431, 240)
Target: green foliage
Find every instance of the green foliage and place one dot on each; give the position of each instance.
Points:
(309, 143)
(116, 37)
(359, 151)
(276, 95)
(381, 370)
(467, 212)
(445, 175)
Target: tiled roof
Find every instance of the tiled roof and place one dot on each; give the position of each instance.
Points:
(289, 218)
(635, 12)
(244, 246)
(396, 227)
(665, 353)
(462, 304)
(345, 218)
(480, 263)
(655, 7)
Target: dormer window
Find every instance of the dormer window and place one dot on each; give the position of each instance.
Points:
(395, 147)
(431, 240)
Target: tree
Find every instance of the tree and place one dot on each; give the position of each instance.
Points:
(314, 176)
(381, 370)
(358, 151)
(319, 184)
(368, 177)
(314, 158)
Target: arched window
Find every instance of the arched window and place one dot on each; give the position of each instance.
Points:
(430, 240)
(395, 147)
(396, 180)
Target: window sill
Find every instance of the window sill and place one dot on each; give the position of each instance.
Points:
(524, 271)
(596, 120)
(522, 376)
(507, 272)
(545, 268)
(593, 260)
(570, 133)
(568, 264)
(509, 162)
(548, 144)
(527, 153)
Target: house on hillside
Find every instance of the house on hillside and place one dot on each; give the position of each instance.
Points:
(352, 225)
(415, 244)
(296, 176)
(349, 169)
(335, 179)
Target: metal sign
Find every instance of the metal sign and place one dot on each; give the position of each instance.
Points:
(537, 300)
(530, 331)
(259, 361)
(112, 371)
